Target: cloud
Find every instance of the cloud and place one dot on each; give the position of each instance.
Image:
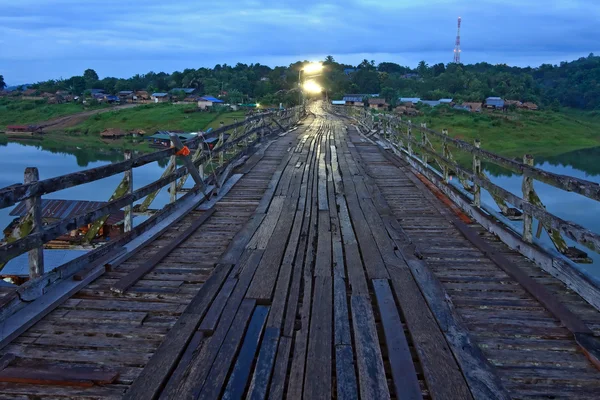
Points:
(121, 38)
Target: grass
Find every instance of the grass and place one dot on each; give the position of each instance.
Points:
(23, 112)
(152, 118)
(539, 133)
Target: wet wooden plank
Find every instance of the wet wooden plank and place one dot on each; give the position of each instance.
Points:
(406, 384)
(371, 373)
(317, 383)
(217, 373)
(236, 386)
(345, 375)
(264, 365)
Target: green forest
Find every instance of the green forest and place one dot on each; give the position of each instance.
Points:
(573, 84)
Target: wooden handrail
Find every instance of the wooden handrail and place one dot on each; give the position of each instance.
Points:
(568, 183)
(36, 240)
(14, 194)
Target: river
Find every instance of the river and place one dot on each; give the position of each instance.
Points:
(15, 157)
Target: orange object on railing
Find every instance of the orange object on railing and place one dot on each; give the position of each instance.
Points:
(183, 152)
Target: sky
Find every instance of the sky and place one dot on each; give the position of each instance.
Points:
(44, 39)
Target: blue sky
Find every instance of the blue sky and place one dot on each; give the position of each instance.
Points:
(42, 39)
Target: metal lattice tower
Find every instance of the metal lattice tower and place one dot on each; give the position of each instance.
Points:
(457, 47)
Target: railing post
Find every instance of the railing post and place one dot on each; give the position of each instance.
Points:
(527, 192)
(409, 140)
(173, 165)
(222, 142)
(129, 208)
(34, 205)
(477, 173)
(445, 152)
(424, 144)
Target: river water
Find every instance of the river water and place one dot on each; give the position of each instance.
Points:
(15, 157)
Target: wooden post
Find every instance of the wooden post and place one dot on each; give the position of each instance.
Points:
(424, 144)
(409, 141)
(173, 187)
(527, 191)
(129, 208)
(445, 152)
(477, 173)
(34, 205)
(222, 142)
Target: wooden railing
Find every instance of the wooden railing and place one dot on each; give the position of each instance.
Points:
(416, 142)
(205, 165)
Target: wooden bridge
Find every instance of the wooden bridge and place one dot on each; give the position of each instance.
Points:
(318, 256)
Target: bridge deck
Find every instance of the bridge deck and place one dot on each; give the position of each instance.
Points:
(329, 270)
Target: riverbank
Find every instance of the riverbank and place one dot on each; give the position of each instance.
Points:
(539, 133)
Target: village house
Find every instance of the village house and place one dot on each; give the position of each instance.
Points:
(205, 102)
(406, 110)
(141, 95)
(409, 101)
(354, 99)
(494, 103)
(530, 106)
(126, 95)
(160, 97)
(338, 103)
(377, 103)
(516, 103)
(471, 107)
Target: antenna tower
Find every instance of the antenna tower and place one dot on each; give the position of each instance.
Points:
(457, 46)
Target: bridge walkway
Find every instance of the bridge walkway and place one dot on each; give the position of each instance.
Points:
(330, 270)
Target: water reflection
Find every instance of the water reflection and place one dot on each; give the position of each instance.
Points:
(15, 157)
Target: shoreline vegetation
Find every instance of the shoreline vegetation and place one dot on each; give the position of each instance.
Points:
(148, 118)
(542, 134)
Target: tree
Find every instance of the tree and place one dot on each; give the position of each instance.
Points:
(423, 68)
(90, 75)
(2, 83)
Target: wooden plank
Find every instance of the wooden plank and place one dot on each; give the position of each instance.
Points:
(264, 365)
(210, 320)
(404, 375)
(317, 383)
(261, 238)
(18, 323)
(193, 346)
(323, 263)
(236, 386)
(139, 272)
(163, 362)
(341, 319)
(53, 375)
(218, 371)
(345, 375)
(371, 373)
(199, 367)
(280, 369)
(537, 290)
(237, 245)
(263, 285)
